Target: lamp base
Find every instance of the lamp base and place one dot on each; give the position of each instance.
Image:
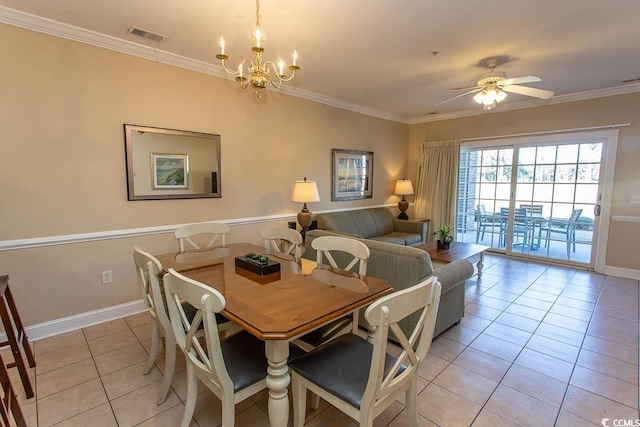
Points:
(403, 205)
(304, 219)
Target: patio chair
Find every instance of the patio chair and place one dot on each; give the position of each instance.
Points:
(565, 227)
(521, 225)
(486, 220)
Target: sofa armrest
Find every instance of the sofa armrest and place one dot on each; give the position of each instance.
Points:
(417, 227)
(454, 273)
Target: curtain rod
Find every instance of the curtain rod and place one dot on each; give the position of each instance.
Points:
(546, 132)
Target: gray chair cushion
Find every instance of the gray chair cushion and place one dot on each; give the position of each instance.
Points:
(326, 332)
(245, 359)
(341, 367)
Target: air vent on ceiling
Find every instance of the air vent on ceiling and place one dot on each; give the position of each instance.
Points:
(146, 34)
(631, 80)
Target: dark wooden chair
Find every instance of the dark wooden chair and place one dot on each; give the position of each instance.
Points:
(9, 407)
(16, 336)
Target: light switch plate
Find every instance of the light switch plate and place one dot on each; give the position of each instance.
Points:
(635, 200)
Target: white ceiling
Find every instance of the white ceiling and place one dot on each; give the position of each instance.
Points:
(377, 54)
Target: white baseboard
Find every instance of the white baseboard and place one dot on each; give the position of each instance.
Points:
(626, 273)
(82, 320)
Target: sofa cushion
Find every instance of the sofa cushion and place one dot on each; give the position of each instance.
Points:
(374, 223)
(399, 238)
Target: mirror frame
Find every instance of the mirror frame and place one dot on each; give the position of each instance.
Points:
(131, 130)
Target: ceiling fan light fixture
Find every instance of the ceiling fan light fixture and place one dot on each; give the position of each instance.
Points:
(501, 95)
(487, 107)
(479, 97)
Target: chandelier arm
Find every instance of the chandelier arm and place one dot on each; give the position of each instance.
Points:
(281, 77)
(224, 66)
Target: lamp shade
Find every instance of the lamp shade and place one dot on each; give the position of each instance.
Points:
(403, 187)
(305, 192)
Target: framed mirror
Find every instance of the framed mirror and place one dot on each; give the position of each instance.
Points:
(171, 164)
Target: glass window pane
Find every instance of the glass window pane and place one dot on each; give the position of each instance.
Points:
(563, 192)
(543, 192)
(546, 155)
(545, 173)
(568, 153)
(505, 156)
(527, 156)
(487, 191)
(591, 153)
(565, 173)
(561, 210)
(489, 157)
(524, 192)
(589, 173)
(504, 174)
(503, 191)
(586, 193)
(488, 174)
(525, 173)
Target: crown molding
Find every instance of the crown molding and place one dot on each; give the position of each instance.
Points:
(58, 29)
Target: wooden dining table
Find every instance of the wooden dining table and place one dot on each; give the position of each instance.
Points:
(278, 307)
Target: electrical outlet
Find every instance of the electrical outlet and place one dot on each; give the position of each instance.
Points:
(107, 277)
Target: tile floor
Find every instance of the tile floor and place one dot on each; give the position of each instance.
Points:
(539, 346)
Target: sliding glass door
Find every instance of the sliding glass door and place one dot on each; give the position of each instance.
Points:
(538, 199)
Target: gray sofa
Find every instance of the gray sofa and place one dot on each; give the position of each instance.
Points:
(404, 267)
(374, 224)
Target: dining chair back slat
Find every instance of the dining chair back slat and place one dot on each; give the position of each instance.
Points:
(282, 240)
(324, 245)
(213, 231)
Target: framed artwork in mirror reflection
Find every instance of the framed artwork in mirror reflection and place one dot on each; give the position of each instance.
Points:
(170, 171)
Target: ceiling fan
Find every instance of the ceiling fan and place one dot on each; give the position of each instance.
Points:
(492, 87)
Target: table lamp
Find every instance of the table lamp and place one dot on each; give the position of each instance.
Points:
(305, 192)
(403, 187)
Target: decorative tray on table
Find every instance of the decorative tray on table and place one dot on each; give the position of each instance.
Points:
(257, 264)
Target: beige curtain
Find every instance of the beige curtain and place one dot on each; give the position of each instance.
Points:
(437, 183)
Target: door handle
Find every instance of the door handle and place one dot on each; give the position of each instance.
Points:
(596, 210)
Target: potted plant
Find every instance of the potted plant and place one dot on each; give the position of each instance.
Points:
(444, 237)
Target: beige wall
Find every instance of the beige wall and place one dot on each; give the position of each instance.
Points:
(624, 237)
(63, 107)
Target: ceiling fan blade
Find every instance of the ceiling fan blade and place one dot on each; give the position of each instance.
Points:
(478, 89)
(520, 80)
(528, 91)
(465, 88)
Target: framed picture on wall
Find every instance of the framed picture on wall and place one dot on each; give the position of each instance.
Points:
(352, 175)
(170, 171)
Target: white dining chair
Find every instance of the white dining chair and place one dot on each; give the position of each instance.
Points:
(233, 369)
(148, 269)
(350, 253)
(361, 379)
(282, 240)
(190, 234)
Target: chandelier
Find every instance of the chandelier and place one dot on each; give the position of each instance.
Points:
(259, 73)
(490, 96)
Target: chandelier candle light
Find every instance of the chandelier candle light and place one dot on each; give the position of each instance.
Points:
(259, 73)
